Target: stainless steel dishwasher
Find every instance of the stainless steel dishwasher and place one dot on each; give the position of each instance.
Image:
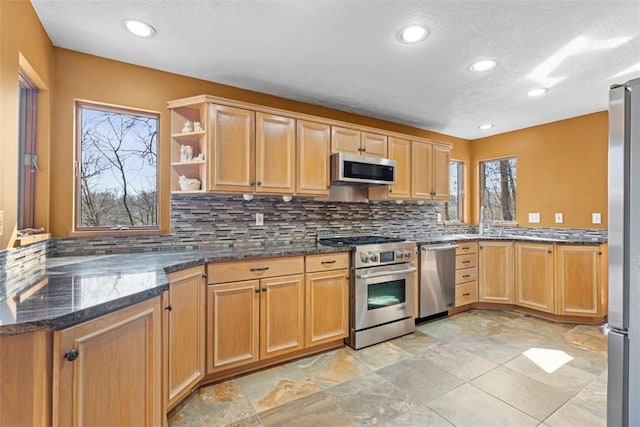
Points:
(437, 278)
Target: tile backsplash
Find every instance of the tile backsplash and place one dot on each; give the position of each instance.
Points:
(209, 221)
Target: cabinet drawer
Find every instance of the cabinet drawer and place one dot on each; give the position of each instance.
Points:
(466, 275)
(465, 261)
(235, 271)
(466, 293)
(467, 248)
(325, 262)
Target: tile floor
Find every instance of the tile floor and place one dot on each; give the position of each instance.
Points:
(477, 368)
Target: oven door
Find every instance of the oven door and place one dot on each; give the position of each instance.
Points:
(383, 294)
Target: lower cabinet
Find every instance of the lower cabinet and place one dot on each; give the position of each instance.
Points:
(534, 283)
(107, 371)
(466, 273)
(581, 284)
(183, 326)
(327, 298)
(495, 272)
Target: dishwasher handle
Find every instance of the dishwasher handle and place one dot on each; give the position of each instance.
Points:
(439, 247)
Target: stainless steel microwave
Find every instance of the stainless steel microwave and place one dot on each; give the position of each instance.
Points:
(352, 168)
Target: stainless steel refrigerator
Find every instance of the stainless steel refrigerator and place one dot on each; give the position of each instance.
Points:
(623, 389)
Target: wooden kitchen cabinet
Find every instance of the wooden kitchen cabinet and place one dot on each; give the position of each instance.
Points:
(196, 141)
(184, 334)
(580, 276)
(345, 140)
(232, 167)
(107, 371)
(312, 173)
(327, 298)
(255, 311)
(466, 273)
(430, 171)
(399, 149)
(495, 272)
(534, 284)
(275, 154)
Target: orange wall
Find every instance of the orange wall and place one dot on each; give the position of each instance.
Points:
(81, 76)
(560, 167)
(23, 42)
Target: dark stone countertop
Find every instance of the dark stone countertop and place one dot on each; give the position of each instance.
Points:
(70, 290)
(586, 240)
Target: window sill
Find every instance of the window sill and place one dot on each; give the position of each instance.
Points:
(455, 223)
(33, 238)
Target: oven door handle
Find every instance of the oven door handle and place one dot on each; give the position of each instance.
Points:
(386, 273)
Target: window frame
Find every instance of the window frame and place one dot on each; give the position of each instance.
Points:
(481, 174)
(80, 231)
(461, 196)
(27, 146)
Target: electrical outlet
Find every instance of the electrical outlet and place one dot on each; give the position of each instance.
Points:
(559, 218)
(534, 218)
(596, 218)
(439, 217)
(259, 219)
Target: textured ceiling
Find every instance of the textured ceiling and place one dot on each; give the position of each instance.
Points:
(346, 54)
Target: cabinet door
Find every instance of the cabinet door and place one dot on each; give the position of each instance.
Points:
(400, 151)
(421, 159)
(232, 320)
(374, 145)
(275, 154)
(578, 280)
(281, 315)
(534, 276)
(495, 272)
(184, 314)
(345, 140)
(233, 140)
(327, 306)
(116, 378)
(313, 158)
(441, 175)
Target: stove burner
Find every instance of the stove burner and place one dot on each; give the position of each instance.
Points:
(358, 240)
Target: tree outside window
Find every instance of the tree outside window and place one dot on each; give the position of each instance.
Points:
(27, 159)
(498, 190)
(117, 168)
(454, 207)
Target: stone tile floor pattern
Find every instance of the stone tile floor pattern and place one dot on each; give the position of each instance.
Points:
(471, 369)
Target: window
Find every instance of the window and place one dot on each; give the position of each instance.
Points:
(27, 159)
(498, 190)
(116, 168)
(454, 207)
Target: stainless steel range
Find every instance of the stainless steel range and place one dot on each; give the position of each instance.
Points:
(382, 287)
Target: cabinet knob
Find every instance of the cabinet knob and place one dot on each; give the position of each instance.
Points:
(168, 308)
(549, 251)
(257, 290)
(72, 355)
(252, 183)
(259, 183)
(264, 289)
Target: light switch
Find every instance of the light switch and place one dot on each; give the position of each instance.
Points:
(596, 218)
(559, 218)
(534, 218)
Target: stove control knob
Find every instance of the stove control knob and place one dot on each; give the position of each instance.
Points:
(373, 257)
(399, 255)
(364, 257)
(407, 254)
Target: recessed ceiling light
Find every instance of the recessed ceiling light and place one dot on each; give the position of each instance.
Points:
(139, 28)
(537, 92)
(484, 65)
(486, 126)
(413, 34)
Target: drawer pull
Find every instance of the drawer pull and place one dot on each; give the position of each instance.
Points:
(467, 294)
(466, 275)
(259, 269)
(466, 248)
(328, 262)
(466, 261)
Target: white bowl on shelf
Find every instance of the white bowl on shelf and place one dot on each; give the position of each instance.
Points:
(188, 184)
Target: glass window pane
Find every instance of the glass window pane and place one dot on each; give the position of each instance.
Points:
(498, 189)
(454, 206)
(118, 168)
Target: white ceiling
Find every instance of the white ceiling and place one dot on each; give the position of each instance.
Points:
(345, 54)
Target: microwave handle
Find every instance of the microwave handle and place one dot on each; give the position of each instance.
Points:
(386, 273)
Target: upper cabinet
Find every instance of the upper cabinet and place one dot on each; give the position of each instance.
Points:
(313, 158)
(430, 171)
(345, 140)
(226, 146)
